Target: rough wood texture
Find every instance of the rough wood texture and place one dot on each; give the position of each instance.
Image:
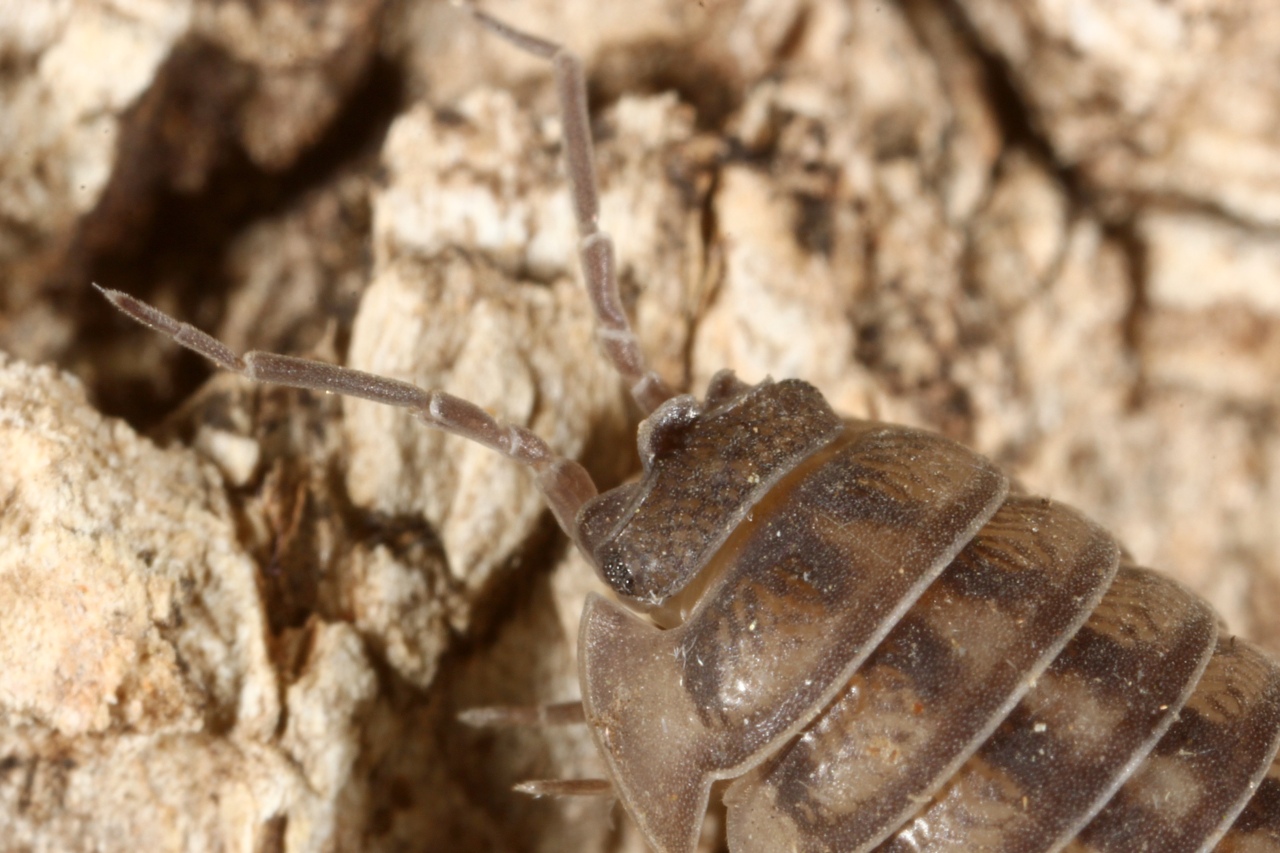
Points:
(1050, 235)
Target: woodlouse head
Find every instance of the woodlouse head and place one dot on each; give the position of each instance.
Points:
(650, 538)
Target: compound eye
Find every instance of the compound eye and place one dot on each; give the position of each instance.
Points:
(618, 575)
(638, 572)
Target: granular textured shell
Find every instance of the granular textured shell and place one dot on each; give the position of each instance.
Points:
(893, 653)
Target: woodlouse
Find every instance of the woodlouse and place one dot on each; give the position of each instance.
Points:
(725, 390)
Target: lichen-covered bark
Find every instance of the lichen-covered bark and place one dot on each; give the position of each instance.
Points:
(245, 618)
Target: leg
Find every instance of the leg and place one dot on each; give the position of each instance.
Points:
(504, 716)
(595, 247)
(566, 788)
(565, 484)
(561, 714)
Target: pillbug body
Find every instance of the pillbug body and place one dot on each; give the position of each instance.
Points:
(858, 626)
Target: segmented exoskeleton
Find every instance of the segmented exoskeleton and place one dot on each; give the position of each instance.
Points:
(858, 624)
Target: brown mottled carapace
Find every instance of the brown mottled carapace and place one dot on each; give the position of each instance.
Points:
(889, 651)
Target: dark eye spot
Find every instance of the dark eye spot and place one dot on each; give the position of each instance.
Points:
(619, 575)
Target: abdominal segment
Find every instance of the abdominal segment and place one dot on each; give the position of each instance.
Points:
(892, 653)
